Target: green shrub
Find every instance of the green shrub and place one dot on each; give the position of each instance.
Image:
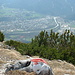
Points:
(50, 46)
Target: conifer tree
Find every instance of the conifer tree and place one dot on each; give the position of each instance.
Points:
(1, 37)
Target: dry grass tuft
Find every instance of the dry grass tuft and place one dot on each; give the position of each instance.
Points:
(16, 72)
(7, 55)
(2, 62)
(60, 71)
(62, 67)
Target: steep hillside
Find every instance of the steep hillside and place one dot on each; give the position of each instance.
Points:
(59, 67)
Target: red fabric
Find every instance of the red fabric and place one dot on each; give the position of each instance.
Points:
(36, 60)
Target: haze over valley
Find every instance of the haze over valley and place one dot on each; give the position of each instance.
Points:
(23, 19)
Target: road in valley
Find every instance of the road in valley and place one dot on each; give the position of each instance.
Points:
(61, 27)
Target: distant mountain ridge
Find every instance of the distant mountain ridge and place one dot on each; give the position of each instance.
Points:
(51, 7)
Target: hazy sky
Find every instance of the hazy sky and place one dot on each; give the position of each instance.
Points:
(43, 6)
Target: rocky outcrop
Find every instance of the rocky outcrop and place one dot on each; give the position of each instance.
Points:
(7, 57)
(37, 65)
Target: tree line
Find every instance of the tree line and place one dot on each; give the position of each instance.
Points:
(50, 45)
